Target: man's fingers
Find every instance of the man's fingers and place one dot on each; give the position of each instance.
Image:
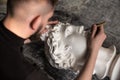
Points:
(52, 22)
(94, 30)
(101, 28)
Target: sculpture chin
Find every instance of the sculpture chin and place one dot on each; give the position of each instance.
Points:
(66, 47)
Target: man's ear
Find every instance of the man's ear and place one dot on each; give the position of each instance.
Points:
(35, 23)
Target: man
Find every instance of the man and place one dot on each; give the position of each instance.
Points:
(25, 18)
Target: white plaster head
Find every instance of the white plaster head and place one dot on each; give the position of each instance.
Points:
(66, 44)
(66, 48)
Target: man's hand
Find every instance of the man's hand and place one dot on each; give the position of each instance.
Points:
(97, 37)
(95, 42)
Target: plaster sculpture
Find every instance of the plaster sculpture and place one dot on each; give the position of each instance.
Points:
(66, 48)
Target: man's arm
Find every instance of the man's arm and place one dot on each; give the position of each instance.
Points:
(96, 40)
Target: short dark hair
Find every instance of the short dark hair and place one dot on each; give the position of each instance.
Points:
(53, 2)
(11, 4)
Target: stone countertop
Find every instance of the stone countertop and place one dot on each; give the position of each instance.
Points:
(35, 53)
(89, 12)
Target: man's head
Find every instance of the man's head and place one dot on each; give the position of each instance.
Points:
(32, 13)
(13, 4)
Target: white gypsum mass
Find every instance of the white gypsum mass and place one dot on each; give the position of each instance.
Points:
(66, 48)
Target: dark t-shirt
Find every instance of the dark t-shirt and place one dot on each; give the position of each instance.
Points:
(12, 66)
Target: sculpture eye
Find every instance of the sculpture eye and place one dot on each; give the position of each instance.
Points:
(67, 47)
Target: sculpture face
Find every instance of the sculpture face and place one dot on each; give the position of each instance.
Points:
(66, 47)
(66, 44)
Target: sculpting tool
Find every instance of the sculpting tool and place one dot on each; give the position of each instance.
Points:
(100, 24)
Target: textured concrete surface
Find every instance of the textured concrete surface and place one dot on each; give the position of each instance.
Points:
(89, 12)
(2, 10)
